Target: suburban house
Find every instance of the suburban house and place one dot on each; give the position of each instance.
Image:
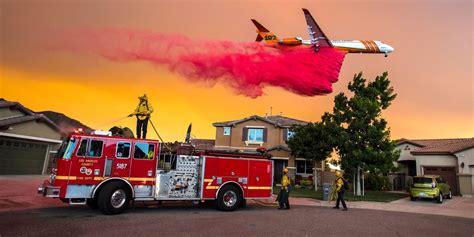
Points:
(271, 132)
(28, 141)
(452, 159)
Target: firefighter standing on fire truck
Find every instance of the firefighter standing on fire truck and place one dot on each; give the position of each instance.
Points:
(283, 196)
(143, 113)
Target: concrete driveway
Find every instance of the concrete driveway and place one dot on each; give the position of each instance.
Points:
(456, 207)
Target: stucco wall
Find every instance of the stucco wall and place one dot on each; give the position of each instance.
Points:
(405, 149)
(466, 174)
(35, 129)
(234, 141)
(467, 157)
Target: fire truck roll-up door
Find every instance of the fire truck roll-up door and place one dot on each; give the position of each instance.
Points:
(181, 183)
(260, 180)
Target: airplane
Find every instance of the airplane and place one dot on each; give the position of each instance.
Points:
(319, 40)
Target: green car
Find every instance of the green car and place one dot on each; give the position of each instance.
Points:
(430, 187)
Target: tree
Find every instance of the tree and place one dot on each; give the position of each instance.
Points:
(362, 139)
(310, 142)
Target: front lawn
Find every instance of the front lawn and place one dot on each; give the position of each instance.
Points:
(372, 196)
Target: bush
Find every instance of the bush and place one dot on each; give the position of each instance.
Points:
(377, 182)
(306, 182)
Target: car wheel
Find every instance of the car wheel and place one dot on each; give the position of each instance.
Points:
(229, 198)
(450, 195)
(440, 198)
(412, 198)
(114, 198)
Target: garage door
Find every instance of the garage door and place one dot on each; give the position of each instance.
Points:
(21, 157)
(447, 173)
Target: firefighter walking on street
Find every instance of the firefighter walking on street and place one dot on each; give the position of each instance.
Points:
(143, 113)
(341, 187)
(284, 195)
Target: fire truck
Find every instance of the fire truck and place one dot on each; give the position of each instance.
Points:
(108, 172)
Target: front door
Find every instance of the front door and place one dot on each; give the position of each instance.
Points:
(278, 166)
(90, 161)
(143, 162)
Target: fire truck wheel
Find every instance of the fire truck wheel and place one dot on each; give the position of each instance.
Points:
(229, 198)
(114, 198)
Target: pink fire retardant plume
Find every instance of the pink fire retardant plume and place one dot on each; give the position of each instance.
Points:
(246, 66)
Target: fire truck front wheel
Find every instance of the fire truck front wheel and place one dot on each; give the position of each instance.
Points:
(114, 198)
(229, 198)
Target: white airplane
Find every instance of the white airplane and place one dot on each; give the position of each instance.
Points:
(319, 40)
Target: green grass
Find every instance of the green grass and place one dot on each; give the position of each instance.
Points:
(372, 196)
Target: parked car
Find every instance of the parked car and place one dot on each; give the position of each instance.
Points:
(430, 187)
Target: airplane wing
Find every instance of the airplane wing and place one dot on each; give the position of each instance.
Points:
(317, 36)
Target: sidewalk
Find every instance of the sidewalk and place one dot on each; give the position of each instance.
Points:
(457, 207)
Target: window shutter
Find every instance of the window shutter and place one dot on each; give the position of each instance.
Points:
(265, 133)
(285, 134)
(244, 134)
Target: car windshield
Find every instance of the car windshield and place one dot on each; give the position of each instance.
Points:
(421, 180)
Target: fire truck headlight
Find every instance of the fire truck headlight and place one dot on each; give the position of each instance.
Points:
(52, 177)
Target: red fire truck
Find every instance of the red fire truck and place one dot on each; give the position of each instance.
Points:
(108, 172)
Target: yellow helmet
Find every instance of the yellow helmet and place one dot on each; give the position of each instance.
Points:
(143, 97)
(338, 173)
(285, 171)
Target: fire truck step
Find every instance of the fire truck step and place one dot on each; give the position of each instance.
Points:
(77, 201)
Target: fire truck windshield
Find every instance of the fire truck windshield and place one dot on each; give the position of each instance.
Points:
(69, 149)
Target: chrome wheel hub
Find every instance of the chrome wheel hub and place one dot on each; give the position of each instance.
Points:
(230, 198)
(118, 198)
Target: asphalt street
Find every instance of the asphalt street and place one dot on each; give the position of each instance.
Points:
(175, 219)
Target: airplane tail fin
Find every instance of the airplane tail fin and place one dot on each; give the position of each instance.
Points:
(264, 34)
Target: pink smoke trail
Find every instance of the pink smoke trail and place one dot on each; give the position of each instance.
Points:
(247, 67)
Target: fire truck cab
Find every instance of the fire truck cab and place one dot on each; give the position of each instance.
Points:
(108, 172)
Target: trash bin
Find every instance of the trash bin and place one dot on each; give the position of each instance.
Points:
(326, 191)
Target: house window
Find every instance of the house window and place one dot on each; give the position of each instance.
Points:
(304, 167)
(255, 135)
(226, 131)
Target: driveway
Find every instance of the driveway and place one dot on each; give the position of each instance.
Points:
(456, 207)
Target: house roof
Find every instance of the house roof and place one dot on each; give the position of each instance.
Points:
(15, 105)
(439, 146)
(278, 148)
(29, 116)
(277, 120)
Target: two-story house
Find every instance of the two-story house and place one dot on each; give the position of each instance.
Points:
(270, 132)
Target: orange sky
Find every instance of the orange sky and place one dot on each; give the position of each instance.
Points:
(431, 68)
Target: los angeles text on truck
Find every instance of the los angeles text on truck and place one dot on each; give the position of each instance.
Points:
(108, 172)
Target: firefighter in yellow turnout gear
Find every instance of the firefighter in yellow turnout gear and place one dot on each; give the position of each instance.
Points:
(143, 113)
(340, 190)
(283, 196)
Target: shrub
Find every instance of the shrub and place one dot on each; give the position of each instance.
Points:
(376, 182)
(306, 182)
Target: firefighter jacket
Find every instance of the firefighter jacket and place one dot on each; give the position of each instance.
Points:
(285, 182)
(143, 110)
(339, 183)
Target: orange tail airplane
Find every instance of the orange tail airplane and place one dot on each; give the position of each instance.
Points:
(319, 40)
